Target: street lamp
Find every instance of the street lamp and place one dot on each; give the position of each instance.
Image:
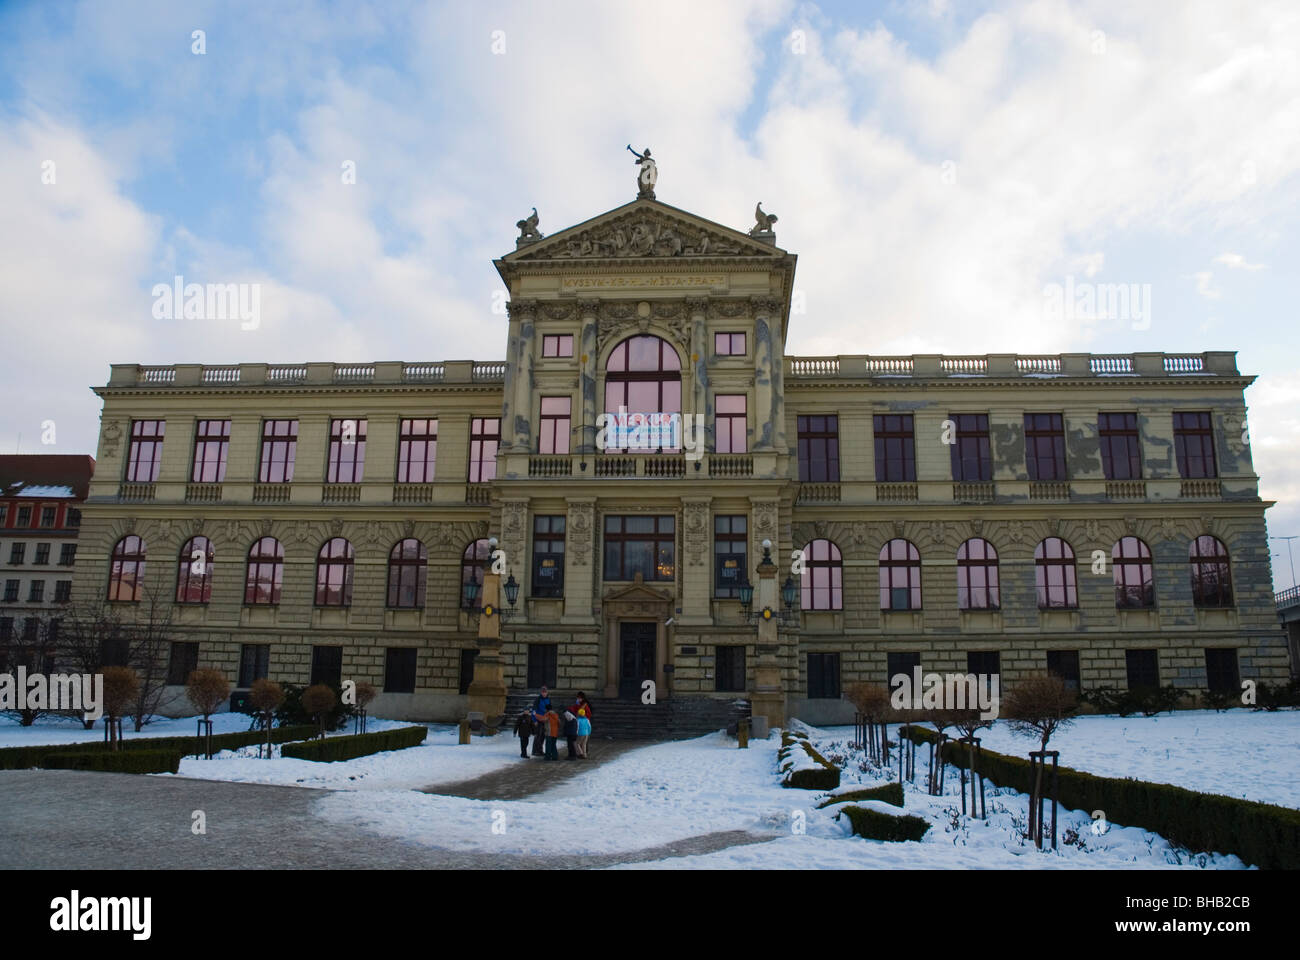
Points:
(1290, 559)
(787, 615)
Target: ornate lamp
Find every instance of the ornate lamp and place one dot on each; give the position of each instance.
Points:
(471, 595)
(746, 594)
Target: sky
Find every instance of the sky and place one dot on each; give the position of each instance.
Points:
(936, 166)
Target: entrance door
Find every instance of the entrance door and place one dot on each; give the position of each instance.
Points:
(638, 648)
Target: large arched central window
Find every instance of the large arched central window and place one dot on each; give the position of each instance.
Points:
(265, 572)
(334, 574)
(821, 583)
(194, 573)
(1054, 571)
(644, 376)
(1211, 578)
(900, 576)
(126, 573)
(408, 564)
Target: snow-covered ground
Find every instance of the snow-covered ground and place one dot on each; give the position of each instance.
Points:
(52, 729)
(669, 792)
(1239, 753)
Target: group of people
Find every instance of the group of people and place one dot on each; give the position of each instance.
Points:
(544, 725)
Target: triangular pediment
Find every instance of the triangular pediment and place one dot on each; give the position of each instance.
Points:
(637, 592)
(644, 229)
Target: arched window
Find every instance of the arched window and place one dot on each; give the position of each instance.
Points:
(472, 567)
(1055, 574)
(194, 571)
(407, 568)
(643, 375)
(821, 583)
(977, 576)
(265, 572)
(900, 576)
(1134, 576)
(1211, 578)
(334, 574)
(126, 572)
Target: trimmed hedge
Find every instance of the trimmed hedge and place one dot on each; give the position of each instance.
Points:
(875, 825)
(1262, 834)
(23, 758)
(890, 793)
(124, 761)
(826, 776)
(332, 749)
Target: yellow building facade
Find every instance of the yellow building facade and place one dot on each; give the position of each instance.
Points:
(1093, 515)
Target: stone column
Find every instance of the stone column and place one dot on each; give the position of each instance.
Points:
(591, 406)
(768, 698)
(700, 350)
(517, 407)
(697, 547)
(487, 691)
(765, 404)
(581, 561)
(514, 543)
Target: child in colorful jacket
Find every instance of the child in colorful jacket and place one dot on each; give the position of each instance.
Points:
(552, 721)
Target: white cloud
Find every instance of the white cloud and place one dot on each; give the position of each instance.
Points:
(1236, 261)
(1205, 285)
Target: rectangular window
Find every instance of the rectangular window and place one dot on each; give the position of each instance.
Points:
(467, 669)
(254, 663)
(184, 661)
(484, 437)
(67, 554)
(327, 666)
(1045, 446)
(729, 344)
(1065, 664)
(1143, 669)
(24, 517)
(399, 670)
(1121, 446)
(211, 444)
(1221, 671)
(347, 451)
(42, 554)
(730, 546)
(729, 669)
(11, 590)
(115, 650)
(819, 448)
(986, 663)
(36, 591)
(900, 664)
(553, 437)
(144, 455)
(17, 553)
(895, 448)
(1194, 445)
(6, 629)
(730, 423)
(644, 545)
(557, 345)
(47, 516)
(548, 556)
(541, 665)
(62, 591)
(279, 450)
(4, 513)
(823, 676)
(972, 461)
(417, 451)
(73, 518)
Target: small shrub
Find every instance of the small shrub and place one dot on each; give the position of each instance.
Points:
(292, 712)
(875, 825)
(890, 793)
(125, 761)
(207, 690)
(332, 749)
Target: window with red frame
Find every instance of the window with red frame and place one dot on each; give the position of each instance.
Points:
(265, 573)
(729, 344)
(279, 448)
(211, 444)
(557, 345)
(900, 576)
(1045, 446)
(977, 576)
(972, 460)
(1055, 574)
(417, 451)
(822, 581)
(194, 571)
(126, 570)
(1134, 575)
(144, 456)
(1194, 446)
(730, 423)
(347, 463)
(553, 433)
(334, 574)
(1121, 446)
(484, 438)
(1211, 576)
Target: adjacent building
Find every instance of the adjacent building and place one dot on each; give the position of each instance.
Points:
(1093, 515)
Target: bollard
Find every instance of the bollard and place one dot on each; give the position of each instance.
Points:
(464, 731)
(742, 734)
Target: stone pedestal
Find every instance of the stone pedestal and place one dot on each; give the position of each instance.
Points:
(487, 691)
(768, 698)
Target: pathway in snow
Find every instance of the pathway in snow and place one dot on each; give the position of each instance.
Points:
(526, 778)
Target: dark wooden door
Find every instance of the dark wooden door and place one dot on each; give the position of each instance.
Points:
(638, 645)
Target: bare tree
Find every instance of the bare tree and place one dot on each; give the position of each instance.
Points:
(1037, 706)
(121, 688)
(150, 633)
(207, 690)
(35, 648)
(92, 637)
(265, 697)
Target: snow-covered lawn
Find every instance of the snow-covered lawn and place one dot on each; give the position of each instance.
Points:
(672, 791)
(440, 759)
(1239, 753)
(51, 729)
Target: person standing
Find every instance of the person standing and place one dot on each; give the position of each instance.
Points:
(571, 734)
(540, 708)
(582, 709)
(552, 721)
(524, 731)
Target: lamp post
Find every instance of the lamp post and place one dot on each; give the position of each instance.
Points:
(768, 698)
(487, 691)
(1290, 559)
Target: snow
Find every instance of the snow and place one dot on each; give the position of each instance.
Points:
(1238, 753)
(55, 729)
(45, 492)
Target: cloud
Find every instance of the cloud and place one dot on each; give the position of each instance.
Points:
(1236, 261)
(1205, 285)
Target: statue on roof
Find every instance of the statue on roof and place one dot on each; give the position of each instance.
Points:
(528, 231)
(646, 179)
(763, 221)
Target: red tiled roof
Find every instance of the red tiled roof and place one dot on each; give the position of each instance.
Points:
(22, 470)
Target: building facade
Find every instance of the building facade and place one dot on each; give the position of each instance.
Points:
(1093, 515)
(41, 497)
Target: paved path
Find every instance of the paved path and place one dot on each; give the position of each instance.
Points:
(534, 775)
(81, 820)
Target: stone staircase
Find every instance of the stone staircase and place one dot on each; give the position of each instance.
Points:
(677, 719)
